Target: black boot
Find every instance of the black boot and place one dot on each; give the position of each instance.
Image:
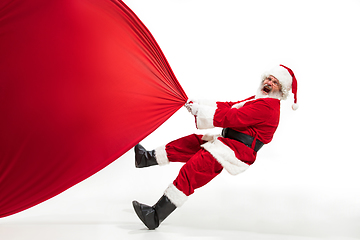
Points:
(153, 216)
(144, 158)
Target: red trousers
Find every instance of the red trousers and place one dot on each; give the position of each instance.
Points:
(200, 166)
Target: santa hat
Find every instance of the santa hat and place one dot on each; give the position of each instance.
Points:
(287, 80)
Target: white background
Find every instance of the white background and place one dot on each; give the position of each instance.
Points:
(304, 184)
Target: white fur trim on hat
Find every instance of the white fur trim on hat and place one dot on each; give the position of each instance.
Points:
(226, 157)
(161, 155)
(284, 78)
(177, 197)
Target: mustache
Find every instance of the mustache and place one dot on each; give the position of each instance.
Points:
(267, 88)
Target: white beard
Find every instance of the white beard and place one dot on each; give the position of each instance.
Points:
(260, 94)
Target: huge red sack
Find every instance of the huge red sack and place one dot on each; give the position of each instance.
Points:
(81, 82)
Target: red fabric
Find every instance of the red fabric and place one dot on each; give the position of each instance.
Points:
(293, 84)
(258, 118)
(200, 166)
(81, 83)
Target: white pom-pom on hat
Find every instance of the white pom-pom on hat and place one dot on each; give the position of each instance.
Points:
(295, 106)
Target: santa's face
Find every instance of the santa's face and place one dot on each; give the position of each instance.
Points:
(271, 86)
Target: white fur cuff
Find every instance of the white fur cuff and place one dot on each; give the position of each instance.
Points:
(205, 117)
(161, 156)
(177, 197)
(207, 102)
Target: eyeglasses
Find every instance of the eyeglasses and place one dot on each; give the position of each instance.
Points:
(274, 80)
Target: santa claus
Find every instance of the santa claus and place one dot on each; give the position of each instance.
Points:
(247, 126)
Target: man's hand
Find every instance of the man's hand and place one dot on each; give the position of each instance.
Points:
(192, 107)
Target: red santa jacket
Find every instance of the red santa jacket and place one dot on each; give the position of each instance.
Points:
(258, 118)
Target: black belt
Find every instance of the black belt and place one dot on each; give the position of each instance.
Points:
(241, 137)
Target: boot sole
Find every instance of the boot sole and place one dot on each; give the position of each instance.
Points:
(137, 208)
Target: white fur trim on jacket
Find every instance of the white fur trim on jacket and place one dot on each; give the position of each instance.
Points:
(205, 117)
(210, 137)
(207, 102)
(176, 196)
(225, 156)
(161, 156)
